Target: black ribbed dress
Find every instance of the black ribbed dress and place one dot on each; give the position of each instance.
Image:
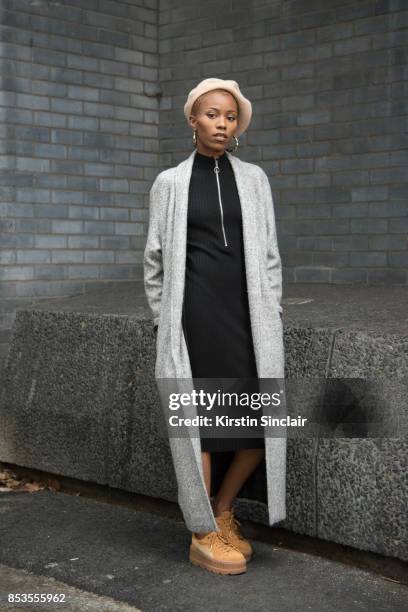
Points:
(216, 321)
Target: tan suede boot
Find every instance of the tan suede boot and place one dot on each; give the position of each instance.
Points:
(230, 529)
(215, 554)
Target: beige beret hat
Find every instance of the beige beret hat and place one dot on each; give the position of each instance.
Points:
(244, 105)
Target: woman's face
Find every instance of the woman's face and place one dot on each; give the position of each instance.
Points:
(217, 113)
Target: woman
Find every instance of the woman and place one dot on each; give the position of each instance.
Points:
(211, 256)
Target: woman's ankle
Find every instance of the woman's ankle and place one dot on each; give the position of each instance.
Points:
(219, 507)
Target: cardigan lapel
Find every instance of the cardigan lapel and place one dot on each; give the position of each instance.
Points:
(251, 250)
(179, 245)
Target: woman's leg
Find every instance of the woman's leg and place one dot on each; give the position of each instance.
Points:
(241, 467)
(245, 461)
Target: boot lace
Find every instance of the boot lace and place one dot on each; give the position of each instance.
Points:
(222, 542)
(233, 525)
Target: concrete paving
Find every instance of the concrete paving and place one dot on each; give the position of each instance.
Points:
(56, 594)
(140, 560)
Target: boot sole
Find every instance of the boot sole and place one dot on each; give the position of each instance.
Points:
(197, 558)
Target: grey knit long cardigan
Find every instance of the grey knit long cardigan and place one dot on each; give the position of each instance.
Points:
(164, 272)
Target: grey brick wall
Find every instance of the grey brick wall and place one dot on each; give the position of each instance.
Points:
(79, 112)
(91, 100)
(328, 84)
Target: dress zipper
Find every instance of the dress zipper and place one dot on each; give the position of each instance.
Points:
(216, 170)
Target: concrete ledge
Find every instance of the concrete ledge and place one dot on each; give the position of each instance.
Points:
(79, 399)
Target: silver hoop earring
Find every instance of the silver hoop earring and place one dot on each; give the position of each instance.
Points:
(235, 147)
(195, 137)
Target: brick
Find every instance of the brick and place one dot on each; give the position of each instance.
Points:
(129, 56)
(96, 79)
(368, 226)
(350, 210)
(27, 164)
(312, 275)
(83, 271)
(354, 177)
(67, 227)
(313, 180)
(16, 210)
(387, 277)
(99, 169)
(64, 75)
(14, 115)
(39, 288)
(128, 228)
(49, 150)
(335, 260)
(389, 175)
(82, 123)
(335, 32)
(50, 242)
(314, 211)
(116, 272)
(83, 93)
(83, 212)
(348, 275)
(31, 256)
(47, 56)
(66, 106)
(332, 226)
(316, 52)
(47, 88)
(129, 257)
(310, 243)
(313, 117)
(398, 259)
(98, 227)
(388, 209)
(368, 259)
(115, 214)
(297, 258)
(83, 242)
(352, 45)
(7, 257)
(16, 273)
(297, 71)
(93, 257)
(388, 242)
(369, 193)
(398, 225)
(298, 39)
(51, 211)
(350, 243)
(49, 119)
(114, 185)
(50, 273)
(115, 242)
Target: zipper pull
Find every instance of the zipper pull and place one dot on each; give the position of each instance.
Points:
(217, 170)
